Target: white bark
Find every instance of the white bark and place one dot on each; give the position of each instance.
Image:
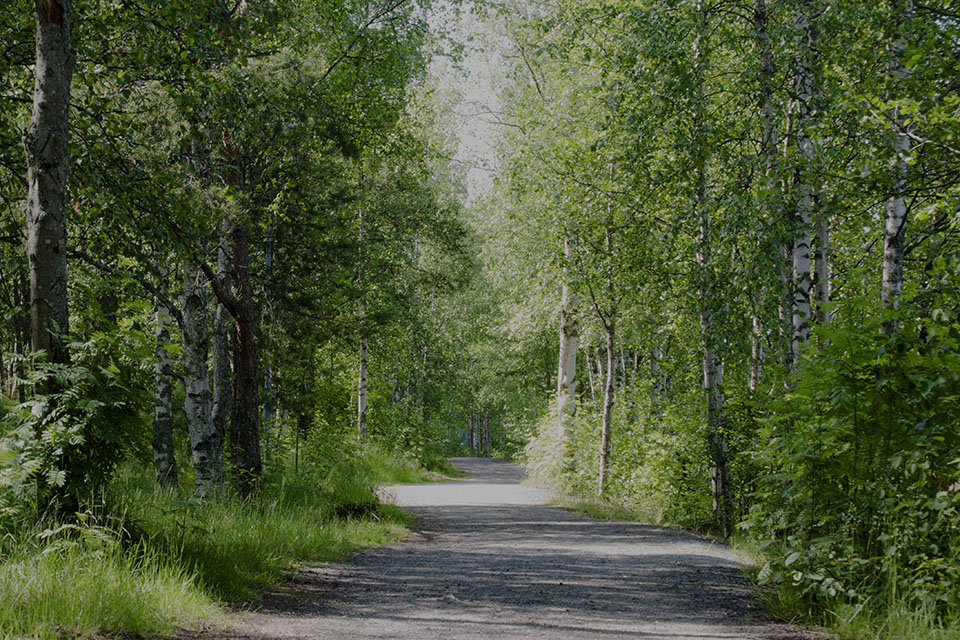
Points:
(895, 208)
(362, 391)
(806, 88)
(716, 439)
(222, 328)
(206, 444)
(606, 428)
(268, 399)
(48, 164)
(569, 339)
(164, 461)
(821, 269)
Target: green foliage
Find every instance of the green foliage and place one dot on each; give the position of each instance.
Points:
(79, 581)
(233, 547)
(862, 458)
(61, 446)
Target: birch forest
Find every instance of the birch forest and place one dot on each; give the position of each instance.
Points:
(694, 261)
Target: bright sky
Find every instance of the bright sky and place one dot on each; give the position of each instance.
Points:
(475, 83)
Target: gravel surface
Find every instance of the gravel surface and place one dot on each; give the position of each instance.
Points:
(489, 559)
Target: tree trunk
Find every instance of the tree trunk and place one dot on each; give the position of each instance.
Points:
(164, 460)
(21, 331)
(487, 439)
(362, 392)
(716, 440)
(245, 414)
(48, 165)
(756, 354)
(590, 376)
(606, 421)
(222, 328)
(895, 208)
(569, 338)
(806, 88)
(821, 270)
(268, 396)
(205, 443)
(768, 153)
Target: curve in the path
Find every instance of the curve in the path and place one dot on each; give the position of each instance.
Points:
(492, 560)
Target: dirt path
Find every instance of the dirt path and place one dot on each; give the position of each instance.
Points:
(490, 560)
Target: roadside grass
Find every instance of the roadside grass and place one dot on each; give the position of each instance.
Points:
(606, 511)
(147, 562)
(387, 467)
(888, 618)
(84, 583)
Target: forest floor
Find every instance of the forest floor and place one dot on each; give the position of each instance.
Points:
(490, 559)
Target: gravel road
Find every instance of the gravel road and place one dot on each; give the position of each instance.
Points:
(489, 559)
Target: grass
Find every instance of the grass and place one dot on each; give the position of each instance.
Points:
(152, 562)
(82, 585)
(604, 511)
(882, 618)
(387, 467)
(892, 621)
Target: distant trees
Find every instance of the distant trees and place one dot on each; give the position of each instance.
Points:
(215, 153)
(769, 174)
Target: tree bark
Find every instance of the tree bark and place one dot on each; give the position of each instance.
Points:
(362, 392)
(806, 89)
(205, 443)
(768, 153)
(48, 165)
(164, 460)
(222, 329)
(821, 270)
(569, 338)
(895, 208)
(716, 438)
(607, 419)
(245, 414)
(268, 395)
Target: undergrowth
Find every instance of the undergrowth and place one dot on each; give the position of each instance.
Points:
(141, 561)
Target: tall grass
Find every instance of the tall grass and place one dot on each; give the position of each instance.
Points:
(150, 562)
(86, 583)
(388, 467)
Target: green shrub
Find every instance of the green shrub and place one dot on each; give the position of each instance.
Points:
(859, 502)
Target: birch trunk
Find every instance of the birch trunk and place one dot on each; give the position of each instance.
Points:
(756, 354)
(806, 89)
(821, 269)
(164, 460)
(895, 208)
(206, 446)
(487, 437)
(268, 399)
(48, 165)
(606, 422)
(569, 338)
(362, 391)
(716, 440)
(222, 328)
(768, 153)
(590, 376)
(245, 414)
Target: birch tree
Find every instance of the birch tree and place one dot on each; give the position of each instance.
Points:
(48, 166)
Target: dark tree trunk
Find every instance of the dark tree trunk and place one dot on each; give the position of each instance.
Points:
(245, 415)
(48, 160)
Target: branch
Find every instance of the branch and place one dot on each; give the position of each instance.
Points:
(343, 56)
(143, 282)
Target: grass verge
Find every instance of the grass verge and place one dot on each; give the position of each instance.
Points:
(151, 562)
(887, 618)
